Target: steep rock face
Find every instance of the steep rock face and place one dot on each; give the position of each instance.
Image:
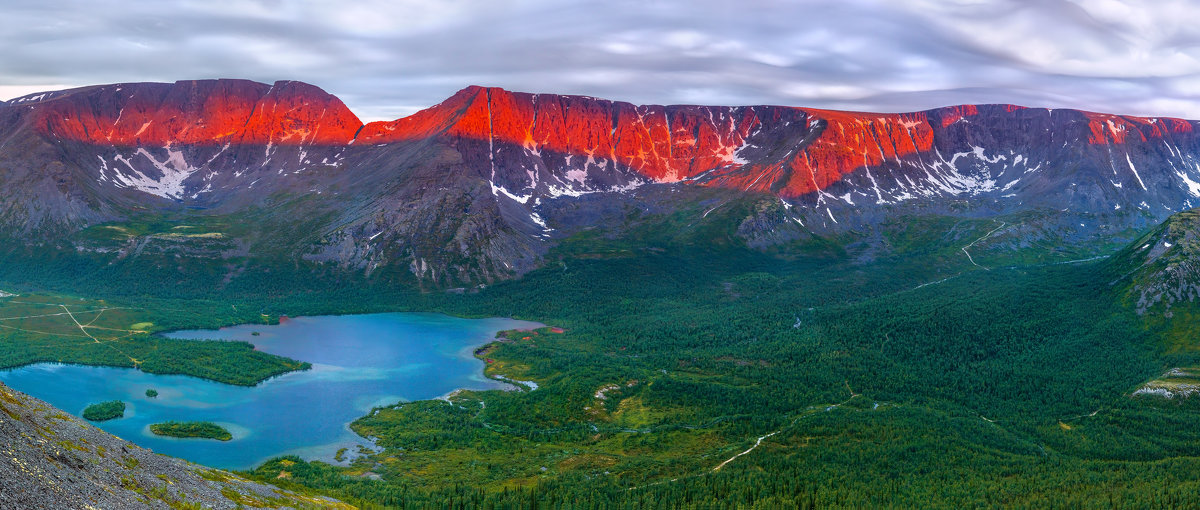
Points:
(204, 112)
(173, 140)
(45, 196)
(834, 164)
(552, 145)
(482, 169)
(1162, 268)
(158, 138)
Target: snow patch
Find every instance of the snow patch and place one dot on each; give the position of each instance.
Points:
(1192, 186)
(1135, 172)
(174, 169)
(540, 222)
(30, 98)
(577, 175)
(979, 153)
(496, 190)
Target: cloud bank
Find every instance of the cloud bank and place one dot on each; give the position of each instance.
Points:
(386, 59)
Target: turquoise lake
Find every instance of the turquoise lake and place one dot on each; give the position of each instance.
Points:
(359, 362)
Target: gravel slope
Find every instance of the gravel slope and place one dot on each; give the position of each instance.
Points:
(54, 460)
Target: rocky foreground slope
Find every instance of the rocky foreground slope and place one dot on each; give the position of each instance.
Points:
(52, 460)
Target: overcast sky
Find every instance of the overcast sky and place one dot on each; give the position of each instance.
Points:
(388, 58)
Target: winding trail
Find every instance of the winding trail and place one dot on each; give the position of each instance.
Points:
(985, 236)
(972, 259)
(1079, 261)
(748, 450)
(135, 361)
(810, 412)
(76, 321)
(926, 284)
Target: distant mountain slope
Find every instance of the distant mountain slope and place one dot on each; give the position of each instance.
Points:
(479, 187)
(54, 460)
(548, 145)
(1162, 268)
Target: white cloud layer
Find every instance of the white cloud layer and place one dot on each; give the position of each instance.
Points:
(388, 58)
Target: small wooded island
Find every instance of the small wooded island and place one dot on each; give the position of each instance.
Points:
(187, 429)
(104, 411)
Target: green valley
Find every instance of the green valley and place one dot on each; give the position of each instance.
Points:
(44, 327)
(696, 370)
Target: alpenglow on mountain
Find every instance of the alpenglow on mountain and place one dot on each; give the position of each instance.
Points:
(479, 187)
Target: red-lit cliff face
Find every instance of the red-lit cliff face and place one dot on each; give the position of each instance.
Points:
(1107, 128)
(530, 144)
(196, 113)
(661, 143)
(787, 151)
(465, 191)
(673, 143)
(846, 142)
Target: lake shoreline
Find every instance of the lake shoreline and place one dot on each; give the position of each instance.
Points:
(359, 362)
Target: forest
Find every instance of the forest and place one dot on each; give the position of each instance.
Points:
(992, 389)
(103, 411)
(186, 429)
(698, 373)
(56, 328)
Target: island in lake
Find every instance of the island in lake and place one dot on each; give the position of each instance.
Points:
(360, 362)
(186, 429)
(110, 410)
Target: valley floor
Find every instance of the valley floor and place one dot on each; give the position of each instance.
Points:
(688, 378)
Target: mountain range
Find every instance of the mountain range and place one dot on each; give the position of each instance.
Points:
(480, 187)
(751, 303)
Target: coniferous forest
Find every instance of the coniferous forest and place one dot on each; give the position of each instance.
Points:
(718, 376)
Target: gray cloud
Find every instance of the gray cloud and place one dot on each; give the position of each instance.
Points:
(387, 58)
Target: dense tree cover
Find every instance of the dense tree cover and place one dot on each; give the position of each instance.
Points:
(989, 389)
(222, 361)
(200, 429)
(63, 329)
(916, 379)
(102, 411)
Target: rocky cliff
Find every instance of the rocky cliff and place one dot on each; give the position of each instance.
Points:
(472, 190)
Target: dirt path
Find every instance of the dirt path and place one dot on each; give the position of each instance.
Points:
(748, 450)
(806, 414)
(985, 236)
(97, 340)
(811, 411)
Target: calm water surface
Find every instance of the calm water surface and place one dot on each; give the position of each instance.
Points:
(359, 362)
